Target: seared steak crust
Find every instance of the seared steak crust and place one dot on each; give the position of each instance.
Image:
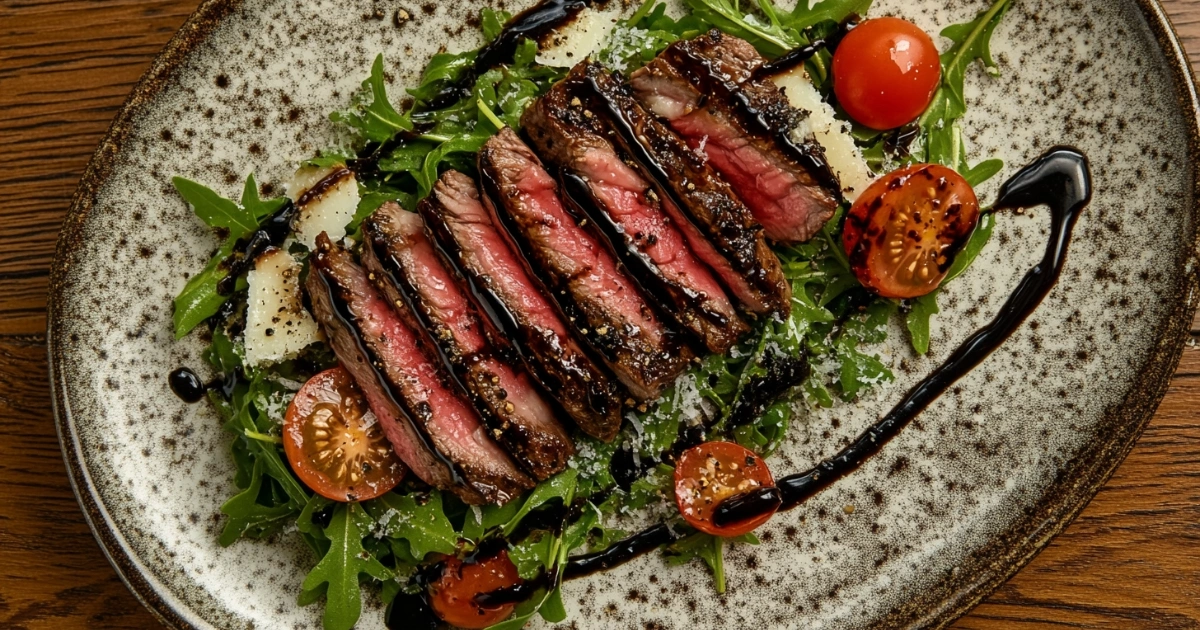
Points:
(718, 226)
(599, 185)
(470, 243)
(433, 430)
(601, 303)
(398, 251)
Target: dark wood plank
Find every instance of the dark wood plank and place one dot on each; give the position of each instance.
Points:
(1131, 561)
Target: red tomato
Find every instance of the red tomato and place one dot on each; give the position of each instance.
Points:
(903, 231)
(885, 72)
(335, 446)
(453, 594)
(709, 473)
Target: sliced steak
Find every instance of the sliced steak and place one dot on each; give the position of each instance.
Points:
(433, 430)
(706, 90)
(601, 302)
(717, 225)
(472, 244)
(397, 250)
(629, 217)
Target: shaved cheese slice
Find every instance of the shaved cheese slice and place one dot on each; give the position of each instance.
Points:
(832, 134)
(573, 42)
(331, 206)
(277, 326)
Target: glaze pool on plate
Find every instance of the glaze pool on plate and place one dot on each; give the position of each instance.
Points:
(949, 509)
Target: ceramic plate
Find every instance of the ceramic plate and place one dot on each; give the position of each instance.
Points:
(945, 514)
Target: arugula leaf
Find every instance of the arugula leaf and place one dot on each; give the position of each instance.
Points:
(917, 320)
(492, 22)
(377, 120)
(560, 486)
(768, 432)
(257, 207)
(552, 608)
(249, 518)
(329, 157)
(975, 244)
(972, 40)
(554, 558)
(480, 520)
(199, 299)
(710, 549)
(312, 532)
(532, 554)
(771, 38)
(443, 69)
(809, 13)
(942, 137)
(339, 570)
(422, 523)
(651, 488)
(215, 210)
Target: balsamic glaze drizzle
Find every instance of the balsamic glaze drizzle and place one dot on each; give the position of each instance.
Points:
(190, 389)
(412, 301)
(801, 54)
(497, 315)
(747, 505)
(342, 311)
(582, 204)
(790, 59)
(535, 22)
(492, 196)
(703, 74)
(186, 385)
(271, 233)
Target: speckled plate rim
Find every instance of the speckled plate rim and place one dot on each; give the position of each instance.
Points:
(968, 584)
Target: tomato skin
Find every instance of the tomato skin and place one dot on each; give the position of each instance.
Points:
(330, 444)
(902, 233)
(885, 72)
(452, 596)
(709, 473)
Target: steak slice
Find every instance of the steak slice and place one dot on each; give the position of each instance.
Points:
(601, 302)
(717, 225)
(398, 251)
(705, 88)
(472, 244)
(433, 430)
(620, 203)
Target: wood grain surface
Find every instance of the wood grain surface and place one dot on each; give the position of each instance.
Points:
(1131, 561)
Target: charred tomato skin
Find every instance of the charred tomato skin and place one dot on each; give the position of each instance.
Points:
(332, 444)
(902, 233)
(711, 472)
(452, 595)
(885, 72)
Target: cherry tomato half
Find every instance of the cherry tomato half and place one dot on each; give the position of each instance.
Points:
(885, 72)
(453, 594)
(902, 233)
(334, 443)
(709, 473)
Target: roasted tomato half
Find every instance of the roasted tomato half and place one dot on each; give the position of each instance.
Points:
(902, 233)
(885, 72)
(452, 596)
(335, 444)
(709, 473)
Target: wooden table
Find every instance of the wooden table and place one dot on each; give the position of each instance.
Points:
(1131, 561)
